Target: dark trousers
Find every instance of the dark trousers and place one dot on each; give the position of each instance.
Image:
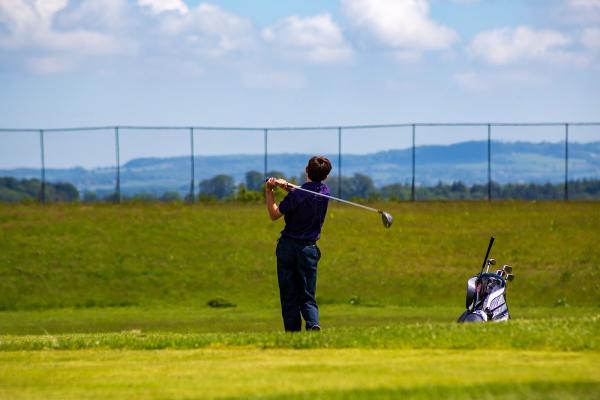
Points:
(297, 275)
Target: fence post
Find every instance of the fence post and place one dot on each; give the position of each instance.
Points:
(192, 193)
(42, 194)
(266, 133)
(489, 149)
(412, 187)
(566, 162)
(340, 162)
(118, 156)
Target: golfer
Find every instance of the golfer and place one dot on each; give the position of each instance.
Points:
(297, 252)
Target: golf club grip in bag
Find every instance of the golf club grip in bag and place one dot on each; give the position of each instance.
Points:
(487, 254)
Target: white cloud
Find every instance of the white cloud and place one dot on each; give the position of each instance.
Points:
(485, 81)
(210, 30)
(104, 15)
(589, 4)
(590, 38)
(407, 56)
(85, 43)
(18, 18)
(315, 39)
(161, 6)
(404, 25)
(506, 45)
(30, 25)
(47, 8)
(50, 65)
(581, 11)
(49, 30)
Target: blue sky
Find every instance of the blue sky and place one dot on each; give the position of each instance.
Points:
(284, 63)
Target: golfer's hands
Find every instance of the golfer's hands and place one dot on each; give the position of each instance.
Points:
(282, 183)
(271, 183)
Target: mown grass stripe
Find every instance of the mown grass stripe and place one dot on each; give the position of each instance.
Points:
(241, 373)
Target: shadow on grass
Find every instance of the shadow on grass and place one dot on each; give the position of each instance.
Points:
(503, 390)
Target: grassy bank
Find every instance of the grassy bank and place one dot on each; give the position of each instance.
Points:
(91, 256)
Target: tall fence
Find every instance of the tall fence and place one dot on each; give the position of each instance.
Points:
(416, 133)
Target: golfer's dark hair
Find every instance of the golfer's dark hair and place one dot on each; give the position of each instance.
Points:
(318, 168)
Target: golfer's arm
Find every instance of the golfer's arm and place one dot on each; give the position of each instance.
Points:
(272, 207)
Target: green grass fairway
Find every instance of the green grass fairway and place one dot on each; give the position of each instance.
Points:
(564, 334)
(110, 302)
(319, 373)
(552, 358)
(182, 319)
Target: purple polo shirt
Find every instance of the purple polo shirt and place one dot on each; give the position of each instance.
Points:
(304, 213)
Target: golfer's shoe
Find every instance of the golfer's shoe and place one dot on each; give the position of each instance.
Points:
(314, 328)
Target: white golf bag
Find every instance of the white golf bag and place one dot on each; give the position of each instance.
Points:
(486, 299)
(486, 293)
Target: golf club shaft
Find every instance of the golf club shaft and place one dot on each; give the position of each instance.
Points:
(487, 253)
(334, 198)
(296, 187)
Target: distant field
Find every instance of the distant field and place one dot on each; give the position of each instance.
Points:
(108, 301)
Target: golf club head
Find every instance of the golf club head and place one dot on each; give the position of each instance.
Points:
(386, 218)
(507, 269)
(510, 277)
(492, 261)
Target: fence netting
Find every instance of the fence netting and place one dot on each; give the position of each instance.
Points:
(85, 159)
(528, 162)
(20, 161)
(419, 161)
(451, 162)
(229, 163)
(583, 169)
(377, 163)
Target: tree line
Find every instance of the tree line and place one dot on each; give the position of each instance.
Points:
(359, 186)
(13, 191)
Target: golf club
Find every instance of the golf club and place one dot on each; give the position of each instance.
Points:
(487, 253)
(510, 277)
(386, 217)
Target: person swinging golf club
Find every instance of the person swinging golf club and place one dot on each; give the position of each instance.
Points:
(297, 252)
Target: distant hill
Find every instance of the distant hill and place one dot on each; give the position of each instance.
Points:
(517, 162)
